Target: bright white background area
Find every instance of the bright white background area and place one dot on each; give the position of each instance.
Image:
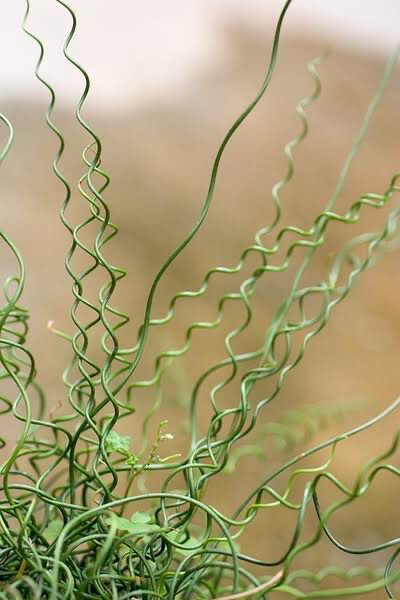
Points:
(135, 49)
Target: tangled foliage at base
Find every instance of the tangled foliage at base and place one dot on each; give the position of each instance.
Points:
(76, 517)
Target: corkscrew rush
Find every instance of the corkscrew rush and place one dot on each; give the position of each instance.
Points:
(77, 520)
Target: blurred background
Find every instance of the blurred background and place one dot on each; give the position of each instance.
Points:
(168, 80)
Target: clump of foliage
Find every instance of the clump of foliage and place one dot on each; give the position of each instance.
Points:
(76, 517)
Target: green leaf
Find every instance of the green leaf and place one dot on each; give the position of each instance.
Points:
(139, 524)
(141, 517)
(132, 460)
(190, 545)
(53, 530)
(118, 443)
(225, 545)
